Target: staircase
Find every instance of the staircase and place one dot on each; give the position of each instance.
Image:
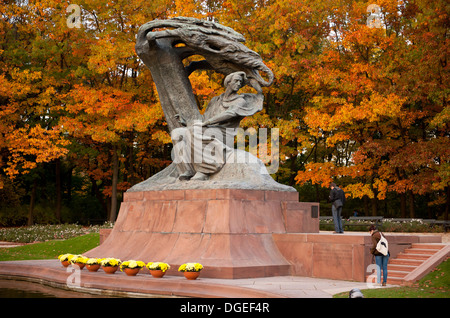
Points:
(415, 262)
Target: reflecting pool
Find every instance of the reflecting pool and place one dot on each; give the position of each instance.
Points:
(24, 289)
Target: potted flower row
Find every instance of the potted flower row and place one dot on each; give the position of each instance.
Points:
(130, 267)
(76, 260)
(109, 265)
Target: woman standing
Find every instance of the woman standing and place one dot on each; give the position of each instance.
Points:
(380, 260)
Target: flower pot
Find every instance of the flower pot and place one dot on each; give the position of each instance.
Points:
(191, 275)
(92, 267)
(79, 265)
(131, 271)
(110, 269)
(65, 263)
(157, 273)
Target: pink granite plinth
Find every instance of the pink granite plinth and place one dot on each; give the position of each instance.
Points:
(230, 232)
(339, 256)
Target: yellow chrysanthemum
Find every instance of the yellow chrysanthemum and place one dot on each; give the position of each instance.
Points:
(93, 261)
(110, 262)
(65, 257)
(132, 264)
(140, 264)
(78, 259)
(190, 267)
(158, 266)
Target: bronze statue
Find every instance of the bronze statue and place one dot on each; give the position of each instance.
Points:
(203, 144)
(215, 133)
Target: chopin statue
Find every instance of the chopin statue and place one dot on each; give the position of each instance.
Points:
(203, 155)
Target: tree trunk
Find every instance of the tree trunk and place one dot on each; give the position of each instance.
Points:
(96, 192)
(403, 205)
(366, 205)
(447, 205)
(58, 189)
(374, 206)
(374, 201)
(316, 187)
(32, 200)
(411, 204)
(115, 177)
(429, 210)
(69, 185)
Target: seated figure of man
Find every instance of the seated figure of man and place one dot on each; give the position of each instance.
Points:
(201, 149)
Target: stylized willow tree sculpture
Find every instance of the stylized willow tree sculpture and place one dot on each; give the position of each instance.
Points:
(164, 44)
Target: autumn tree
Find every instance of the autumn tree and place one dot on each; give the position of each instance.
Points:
(113, 100)
(29, 82)
(360, 96)
(289, 37)
(383, 90)
(79, 94)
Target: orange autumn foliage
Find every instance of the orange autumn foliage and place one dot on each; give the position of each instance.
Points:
(366, 107)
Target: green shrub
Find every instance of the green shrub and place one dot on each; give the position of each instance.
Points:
(42, 233)
(389, 225)
(50, 249)
(414, 225)
(13, 216)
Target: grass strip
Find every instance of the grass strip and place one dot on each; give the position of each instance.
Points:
(51, 249)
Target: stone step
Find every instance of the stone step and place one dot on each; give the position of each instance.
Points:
(407, 261)
(394, 280)
(396, 273)
(410, 262)
(423, 251)
(413, 256)
(432, 246)
(401, 267)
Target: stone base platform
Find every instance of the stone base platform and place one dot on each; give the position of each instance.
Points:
(229, 231)
(314, 257)
(339, 256)
(240, 234)
(334, 256)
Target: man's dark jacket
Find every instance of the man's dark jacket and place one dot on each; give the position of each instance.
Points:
(337, 193)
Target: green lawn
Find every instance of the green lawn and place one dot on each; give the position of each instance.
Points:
(434, 285)
(51, 249)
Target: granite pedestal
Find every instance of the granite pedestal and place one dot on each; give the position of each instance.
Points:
(229, 231)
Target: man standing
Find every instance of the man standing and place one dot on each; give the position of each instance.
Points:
(337, 198)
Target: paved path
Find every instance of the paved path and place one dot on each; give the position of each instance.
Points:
(294, 286)
(10, 244)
